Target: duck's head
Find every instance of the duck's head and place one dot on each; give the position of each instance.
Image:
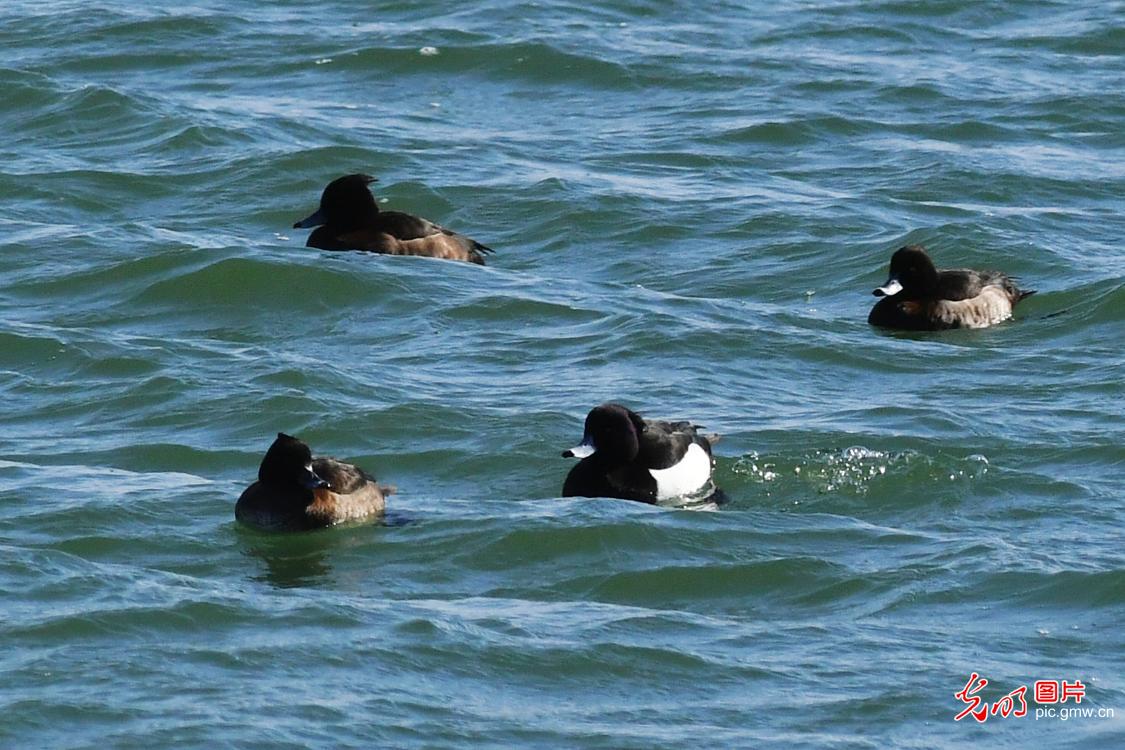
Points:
(289, 462)
(911, 270)
(612, 433)
(344, 203)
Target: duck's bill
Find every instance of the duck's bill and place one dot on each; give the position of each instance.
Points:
(314, 219)
(310, 479)
(890, 289)
(582, 450)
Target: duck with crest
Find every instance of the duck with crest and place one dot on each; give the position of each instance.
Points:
(632, 458)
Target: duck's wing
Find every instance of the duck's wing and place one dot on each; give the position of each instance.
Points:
(956, 284)
(1005, 282)
(663, 426)
(685, 426)
(960, 284)
(354, 494)
(381, 234)
(344, 478)
(663, 444)
(397, 233)
(430, 238)
(403, 226)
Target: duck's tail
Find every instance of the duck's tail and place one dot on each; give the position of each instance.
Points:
(478, 251)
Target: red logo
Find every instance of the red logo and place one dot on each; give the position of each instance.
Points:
(970, 696)
(1046, 691)
(1007, 704)
(1077, 691)
(1015, 702)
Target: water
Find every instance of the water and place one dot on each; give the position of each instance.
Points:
(690, 207)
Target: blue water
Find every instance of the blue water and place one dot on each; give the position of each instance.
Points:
(690, 206)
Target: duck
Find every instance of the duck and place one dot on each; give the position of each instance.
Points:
(919, 297)
(349, 219)
(628, 457)
(296, 492)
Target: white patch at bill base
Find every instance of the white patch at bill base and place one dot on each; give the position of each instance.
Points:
(891, 288)
(582, 450)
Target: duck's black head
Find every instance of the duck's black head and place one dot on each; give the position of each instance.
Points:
(612, 434)
(289, 462)
(912, 271)
(345, 204)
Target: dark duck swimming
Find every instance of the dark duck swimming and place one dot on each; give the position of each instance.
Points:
(295, 491)
(919, 297)
(628, 457)
(349, 219)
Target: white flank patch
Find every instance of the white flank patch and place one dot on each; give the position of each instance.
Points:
(989, 307)
(689, 475)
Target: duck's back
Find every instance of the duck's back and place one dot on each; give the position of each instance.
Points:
(664, 444)
(354, 494)
(957, 284)
(397, 233)
(345, 478)
(403, 226)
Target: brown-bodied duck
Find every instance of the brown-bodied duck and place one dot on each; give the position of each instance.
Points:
(295, 491)
(919, 297)
(349, 219)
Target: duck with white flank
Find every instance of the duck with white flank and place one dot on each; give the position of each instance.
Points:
(626, 456)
